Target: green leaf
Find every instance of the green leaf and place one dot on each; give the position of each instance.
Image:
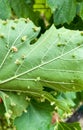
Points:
(80, 9)
(38, 117)
(64, 11)
(24, 9)
(5, 10)
(69, 97)
(16, 47)
(54, 61)
(67, 126)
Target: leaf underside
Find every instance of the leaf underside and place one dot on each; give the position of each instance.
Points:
(54, 61)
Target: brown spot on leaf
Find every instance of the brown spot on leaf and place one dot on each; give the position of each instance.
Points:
(55, 118)
(1, 100)
(14, 49)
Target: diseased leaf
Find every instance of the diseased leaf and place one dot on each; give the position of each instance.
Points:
(54, 61)
(14, 35)
(14, 103)
(64, 11)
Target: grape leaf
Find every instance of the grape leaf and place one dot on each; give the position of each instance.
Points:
(5, 10)
(38, 117)
(55, 60)
(64, 11)
(80, 9)
(25, 9)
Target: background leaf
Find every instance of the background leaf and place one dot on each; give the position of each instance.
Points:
(24, 9)
(38, 117)
(80, 9)
(61, 10)
(5, 10)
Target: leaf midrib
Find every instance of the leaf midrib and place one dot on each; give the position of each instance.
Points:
(44, 63)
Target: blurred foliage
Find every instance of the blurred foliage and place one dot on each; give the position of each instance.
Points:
(45, 12)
